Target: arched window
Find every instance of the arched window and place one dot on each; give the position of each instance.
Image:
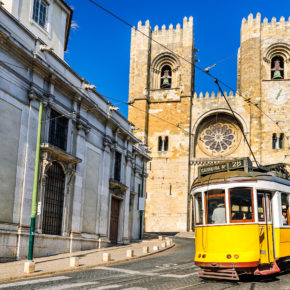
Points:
(166, 77)
(53, 200)
(277, 68)
(164, 72)
(274, 140)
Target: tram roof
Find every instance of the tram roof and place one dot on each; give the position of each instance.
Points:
(223, 177)
(250, 174)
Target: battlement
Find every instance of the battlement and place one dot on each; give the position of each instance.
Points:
(251, 25)
(214, 96)
(251, 21)
(187, 23)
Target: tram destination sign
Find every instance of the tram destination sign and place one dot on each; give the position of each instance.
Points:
(244, 164)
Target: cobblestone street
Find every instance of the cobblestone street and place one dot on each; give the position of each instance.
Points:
(172, 269)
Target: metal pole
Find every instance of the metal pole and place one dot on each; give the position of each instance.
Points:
(189, 221)
(35, 183)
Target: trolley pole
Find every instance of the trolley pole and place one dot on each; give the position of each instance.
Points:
(35, 184)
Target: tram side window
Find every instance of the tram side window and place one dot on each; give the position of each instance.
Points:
(261, 208)
(215, 206)
(241, 204)
(285, 209)
(264, 200)
(198, 208)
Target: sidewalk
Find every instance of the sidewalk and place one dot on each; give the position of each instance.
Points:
(87, 259)
(187, 235)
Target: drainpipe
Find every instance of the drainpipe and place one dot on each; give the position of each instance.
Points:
(141, 211)
(35, 183)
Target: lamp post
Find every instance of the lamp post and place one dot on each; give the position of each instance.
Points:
(35, 184)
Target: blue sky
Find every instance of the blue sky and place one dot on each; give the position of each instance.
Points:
(99, 45)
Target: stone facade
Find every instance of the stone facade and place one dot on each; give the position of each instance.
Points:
(92, 168)
(215, 134)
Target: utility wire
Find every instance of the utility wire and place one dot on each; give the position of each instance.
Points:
(164, 120)
(199, 68)
(93, 108)
(226, 99)
(181, 57)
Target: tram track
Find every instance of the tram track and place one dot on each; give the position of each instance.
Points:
(141, 277)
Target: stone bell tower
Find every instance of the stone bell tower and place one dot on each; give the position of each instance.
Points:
(263, 78)
(161, 86)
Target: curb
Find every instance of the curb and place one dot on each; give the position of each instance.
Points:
(80, 268)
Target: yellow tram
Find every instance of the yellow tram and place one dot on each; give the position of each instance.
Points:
(242, 222)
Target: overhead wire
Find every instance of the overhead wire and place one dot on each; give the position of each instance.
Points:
(186, 60)
(248, 144)
(176, 54)
(93, 108)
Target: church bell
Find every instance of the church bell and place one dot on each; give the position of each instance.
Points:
(277, 74)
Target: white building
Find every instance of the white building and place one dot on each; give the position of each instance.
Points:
(92, 168)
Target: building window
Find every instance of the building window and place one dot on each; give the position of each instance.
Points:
(58, 128)
(53, 200)
(280, 143)
(274, 140)
(40, 8)
(277, 68)
(163, 143)
(160, 143)
(277, 143)
(166, 77)
(166, 143)
(117, 170)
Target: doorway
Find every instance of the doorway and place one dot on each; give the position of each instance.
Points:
(115, 210)
(265, 227)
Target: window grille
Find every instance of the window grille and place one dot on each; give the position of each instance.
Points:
(40, 12)
(53, 200)
(117, 171)
(58, 130)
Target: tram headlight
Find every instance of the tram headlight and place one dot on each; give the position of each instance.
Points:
(236, 256)
(229, 256)
(204, 255)
(199, 255)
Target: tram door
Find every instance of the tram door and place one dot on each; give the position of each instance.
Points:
(265, 228)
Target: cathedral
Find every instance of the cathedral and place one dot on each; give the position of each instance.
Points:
(184, 130)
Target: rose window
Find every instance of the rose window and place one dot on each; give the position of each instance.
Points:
(219, 138)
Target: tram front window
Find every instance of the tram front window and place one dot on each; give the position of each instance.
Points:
(241, 204)
(215, 206)
(198, 208)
